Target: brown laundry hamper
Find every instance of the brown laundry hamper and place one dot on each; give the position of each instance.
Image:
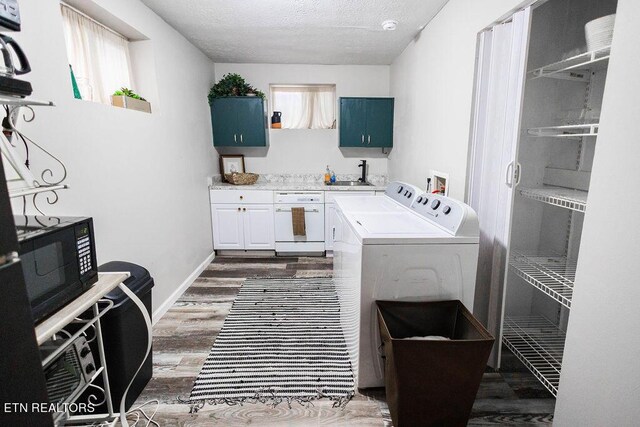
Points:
(432, 382)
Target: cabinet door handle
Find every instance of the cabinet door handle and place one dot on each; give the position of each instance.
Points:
(238, 209)
(369, 139)
(235, 139)
(241, 141)
(244, 209)
(333, 229)
(241, 197)
(518, 173)
(363, 138)
(509, 177)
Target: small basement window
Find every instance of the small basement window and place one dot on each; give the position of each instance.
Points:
(98, 55)
(305, 106)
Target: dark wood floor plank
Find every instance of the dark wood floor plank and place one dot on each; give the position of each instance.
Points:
(250, 272)
(254, 260)
(309, 266)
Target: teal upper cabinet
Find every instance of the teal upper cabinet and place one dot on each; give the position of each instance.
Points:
(366, 122)
(239, 121)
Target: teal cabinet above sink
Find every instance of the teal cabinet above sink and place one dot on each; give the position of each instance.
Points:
(366, 122)
(239, 121)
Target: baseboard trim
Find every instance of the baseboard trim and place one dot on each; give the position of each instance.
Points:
(160, 311)
(243, 253)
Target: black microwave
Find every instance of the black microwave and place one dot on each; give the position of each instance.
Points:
(58, 257)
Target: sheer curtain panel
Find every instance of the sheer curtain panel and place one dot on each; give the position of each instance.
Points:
(99, 56)
(305, 107)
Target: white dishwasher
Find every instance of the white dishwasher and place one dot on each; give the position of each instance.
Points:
(313, 239)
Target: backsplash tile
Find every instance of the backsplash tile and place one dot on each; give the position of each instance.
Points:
(309, 178)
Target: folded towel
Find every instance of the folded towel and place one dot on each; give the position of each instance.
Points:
(297, 220)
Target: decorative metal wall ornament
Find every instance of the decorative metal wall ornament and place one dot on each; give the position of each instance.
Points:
(11, 117)
(22, 166)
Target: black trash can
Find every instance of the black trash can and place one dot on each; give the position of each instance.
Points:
(432, 382)
(124, 333)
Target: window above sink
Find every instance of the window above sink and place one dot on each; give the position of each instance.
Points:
(303, 106)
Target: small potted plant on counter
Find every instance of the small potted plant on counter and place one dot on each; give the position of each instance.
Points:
(126, 98)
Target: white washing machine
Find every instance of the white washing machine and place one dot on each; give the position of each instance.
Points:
(423, 247)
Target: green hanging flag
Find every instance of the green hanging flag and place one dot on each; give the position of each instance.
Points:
(74, 84)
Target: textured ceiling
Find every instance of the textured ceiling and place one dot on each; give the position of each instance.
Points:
(298, 31)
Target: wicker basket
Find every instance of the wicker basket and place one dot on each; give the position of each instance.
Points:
(236, 178)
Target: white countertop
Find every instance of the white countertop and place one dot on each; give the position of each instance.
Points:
(295, 186)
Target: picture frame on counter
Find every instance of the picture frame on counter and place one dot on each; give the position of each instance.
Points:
(231, 163)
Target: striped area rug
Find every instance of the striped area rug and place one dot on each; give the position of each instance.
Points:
(281, 342)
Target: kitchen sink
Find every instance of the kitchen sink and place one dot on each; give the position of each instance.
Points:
(349, 183)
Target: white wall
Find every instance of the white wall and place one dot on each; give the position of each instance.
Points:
(432, 81)
(600, 381)
(310, 150)
(142, 177)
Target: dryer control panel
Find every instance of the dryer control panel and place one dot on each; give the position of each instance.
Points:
(452, 215)
(402, 192)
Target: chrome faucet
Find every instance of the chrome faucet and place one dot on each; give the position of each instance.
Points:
(363, 165)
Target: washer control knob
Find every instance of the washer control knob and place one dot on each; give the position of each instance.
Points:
(446, 210)
(420, 199)
(410, 195)
(400, 189)
(426, 200)
(435, 204)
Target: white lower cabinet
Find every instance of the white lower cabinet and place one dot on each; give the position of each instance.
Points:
(245, 219)
(241, 220)
(228, 227)
(330, 229)
(258, 223)
(329, 226)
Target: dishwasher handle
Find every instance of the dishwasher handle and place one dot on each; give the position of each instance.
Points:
(289, 210)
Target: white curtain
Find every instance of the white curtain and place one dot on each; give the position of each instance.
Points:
(305, 107)
(99, 57)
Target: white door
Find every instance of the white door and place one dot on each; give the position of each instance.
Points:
(258, 227)
(227, 227)
(493, 170)
(329, 230)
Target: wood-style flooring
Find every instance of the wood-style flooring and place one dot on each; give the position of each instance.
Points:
(185, 334)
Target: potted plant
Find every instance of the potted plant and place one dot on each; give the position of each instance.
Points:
(233, 84)
(126, 98)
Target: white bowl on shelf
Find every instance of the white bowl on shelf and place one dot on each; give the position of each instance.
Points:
(599, 32)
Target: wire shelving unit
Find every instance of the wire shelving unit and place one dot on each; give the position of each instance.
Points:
(553, 275)
(575, 200)
(539, 345)
(574, 68)
(565, 131)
